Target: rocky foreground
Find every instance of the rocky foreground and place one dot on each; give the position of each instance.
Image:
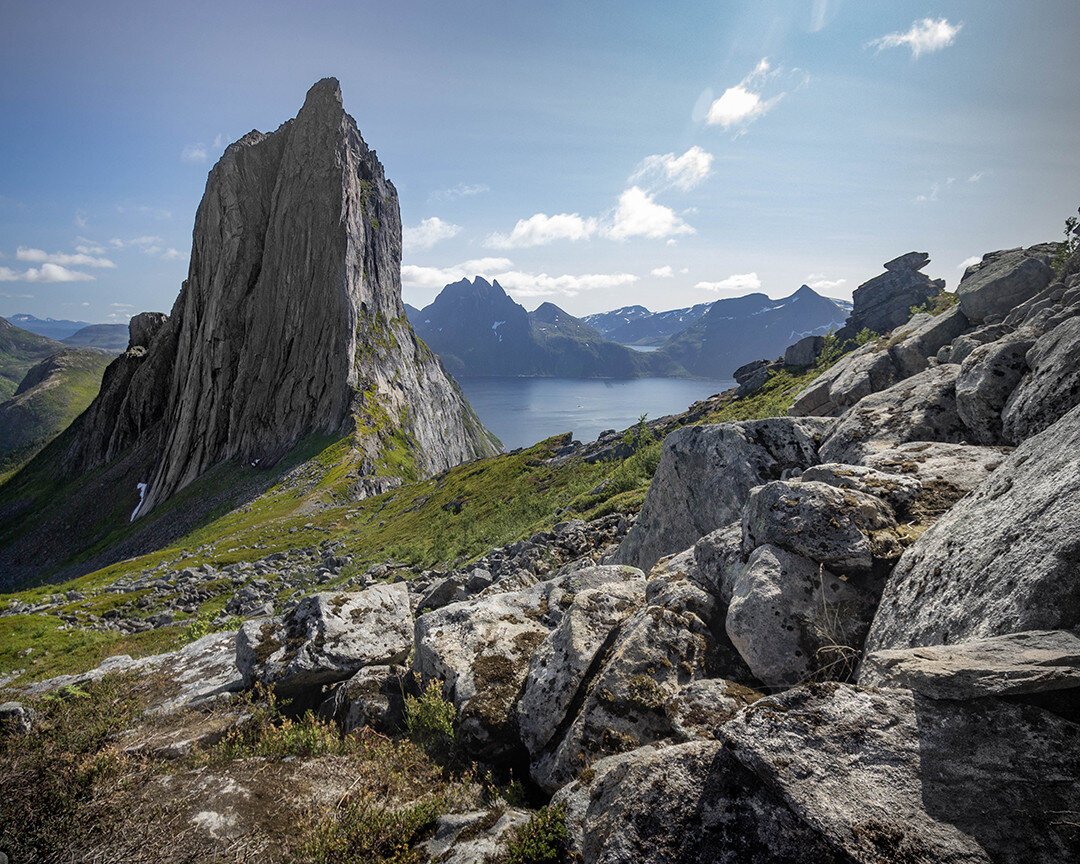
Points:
(850, 635)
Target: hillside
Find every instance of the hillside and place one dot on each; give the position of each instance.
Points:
(738, 330)
(49, 398)
(653, 328)
(19, 351)
(477, 329)
(54, 328)
(107, 337)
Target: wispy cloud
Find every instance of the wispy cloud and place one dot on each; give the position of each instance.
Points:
(148, 244)
(976, 177)
(925, 36)
(516, 282)
(684, 172)
(665, 272)
(746, 101)
(967, 262)
(195, 154)
(414, 276)
(541, 229)
(461, 190)
(429, 232)
(44, 273)
(80, 219)
(737, 282)
(67, 259)
(818, 282)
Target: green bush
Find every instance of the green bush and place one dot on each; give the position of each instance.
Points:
(429, 721)
(544, 839)
(1068, 248)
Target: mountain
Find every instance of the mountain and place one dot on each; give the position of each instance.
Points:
(606, 322)
(107, 337)
(54, 328)
(49, 398)
(737, 330)
(478, 330)
(659, 326)
(289, 328)
(19, 351)
(411, 312)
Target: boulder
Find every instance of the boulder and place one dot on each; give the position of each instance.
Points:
(988, 377)
(791, 620)
(327, 638)
(919, 408)
(1003, 280)
(691, 803)
(467, 838)
(899, 491)
(15, 718)
(143, 327)
(805, 352)
(908, 261)
(844, 530)
(865, 370)
(482, 650)
(1004, 559)
(718, 560)
(959, 349)
(927, 335)
(1034, 661)
(559, 667)
(1051, 388)
(374, 697)
(705, 475)
(701, 707)
(887, 776)
(884, 303)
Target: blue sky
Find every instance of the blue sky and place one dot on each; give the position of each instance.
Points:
(592, 154)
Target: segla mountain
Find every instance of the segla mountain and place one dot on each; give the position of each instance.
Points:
(290, 325)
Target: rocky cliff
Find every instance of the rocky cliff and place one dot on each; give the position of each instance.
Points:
(289, 324)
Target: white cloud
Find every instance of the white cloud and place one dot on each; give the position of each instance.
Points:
(976, 177)
(79, 259)
(462, 190)
(935, 190)
(45, 273)
(428, 233)
(739, 282)
(818, 282)
(744, 102)
(148, 244)
(925, 35)
(541, 229)
(665, 272)
(170, 254)
(88, 247)
(80, 219)
(685, 171)
(413, 276)
(638, 215)
(967, 262)
(196, 154)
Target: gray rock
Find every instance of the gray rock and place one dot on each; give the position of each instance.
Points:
(887, 776)
(1034, 661)
(899, 491)
(327, 638)
(753, 382)
(15, 718)
(805, 352)
(373, 697)
(962, 346)
(1002, 281)
(884, 303)
(558, 668)
(919, 408)
(704, 478)
(844, 530)
(468, 838)
(142, 328)
(792, 621)
(1004, 559)
(865, 370)
(701, 707)
(945, 472)
(718, 560)
(908, 261)
(912, 353)
(988, 376)
(1051, 388)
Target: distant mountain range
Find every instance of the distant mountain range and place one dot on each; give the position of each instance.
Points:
(737, 330)
(82, 334)
(636, 325)
(478, 330)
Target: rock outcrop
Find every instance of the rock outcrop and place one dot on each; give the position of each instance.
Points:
(290, 323)
(884, 302)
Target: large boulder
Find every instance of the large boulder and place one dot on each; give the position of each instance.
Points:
(919, 408)
(1035, 661)
(884, 302)
(705, 475)
(844, 530)
(1004, 559)
(887, 776)
(467, 838)
(924, 336)
(1052, 386)
(792, 620)
(865, 370)
(482, 649)
(327, 638)
(988, 377)
(805, 352)
(1003, 280)
(373, 697)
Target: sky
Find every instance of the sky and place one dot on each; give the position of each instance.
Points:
(594, 155)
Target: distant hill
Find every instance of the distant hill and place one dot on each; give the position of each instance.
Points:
(478, 330)
(410, 311)
(54, 328)
(19, 351)
(108, 337)
(657, 328)
(606, 322)
(51, 395)
(740, 329)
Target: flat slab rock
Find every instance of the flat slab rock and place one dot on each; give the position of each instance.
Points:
(327, 638)
(889, 776)
(1030, 662)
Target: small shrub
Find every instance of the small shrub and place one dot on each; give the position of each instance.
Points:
(270, 734)
(544, 839)
(865, 336)
(937, 304)
(364, 828)
(429, 721)
(638, 435)
(1068, 248)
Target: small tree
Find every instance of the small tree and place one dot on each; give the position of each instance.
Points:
(1069, 246)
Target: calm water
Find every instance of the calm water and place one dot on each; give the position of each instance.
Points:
(522, 411)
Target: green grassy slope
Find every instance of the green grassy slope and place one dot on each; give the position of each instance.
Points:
(19, 351)
(61, 388)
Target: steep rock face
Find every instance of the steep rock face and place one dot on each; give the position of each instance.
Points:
(290, 322)
(884, 302)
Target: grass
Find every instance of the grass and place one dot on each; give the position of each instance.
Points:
(544, 839)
